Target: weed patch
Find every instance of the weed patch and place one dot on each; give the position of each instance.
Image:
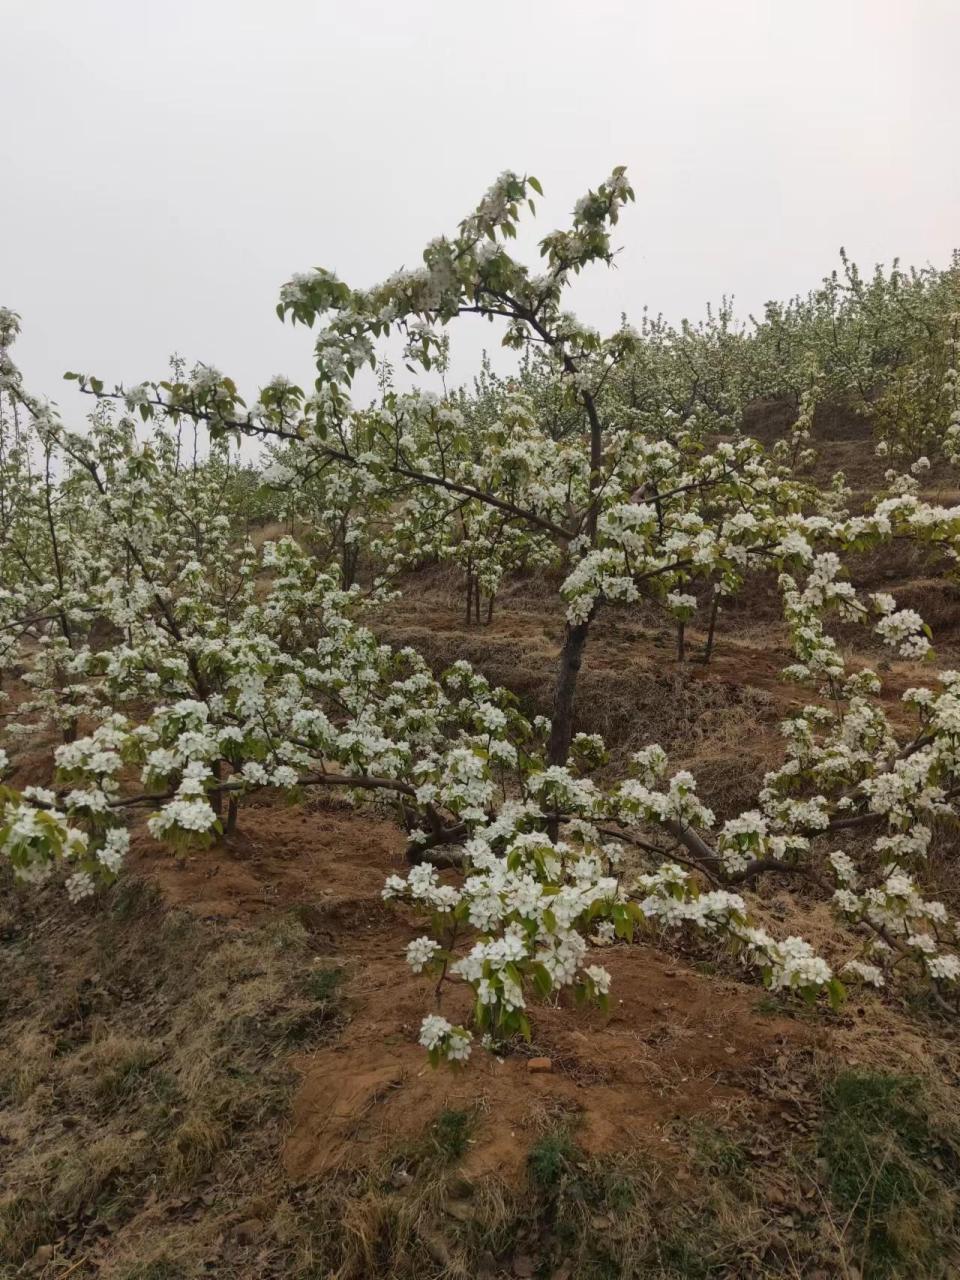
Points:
(892, 1169)
(450, 1134)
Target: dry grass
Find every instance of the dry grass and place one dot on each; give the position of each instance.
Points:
(159, 1070)
(155, 1091)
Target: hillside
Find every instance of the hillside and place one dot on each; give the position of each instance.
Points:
(211, 1069)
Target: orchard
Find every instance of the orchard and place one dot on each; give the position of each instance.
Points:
(185, 667)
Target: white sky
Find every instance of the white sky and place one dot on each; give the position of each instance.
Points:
(166, 164)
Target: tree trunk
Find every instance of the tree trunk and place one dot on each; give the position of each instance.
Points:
(714, 610)
(216, 797)
(233, 804)
(681, 640)
(349, 561)
(571, 656)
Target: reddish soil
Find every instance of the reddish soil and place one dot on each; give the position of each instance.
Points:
(328, 863)
(675, 1044)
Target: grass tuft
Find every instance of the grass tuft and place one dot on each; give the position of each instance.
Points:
(550, 1159)
(122, 1069)
(323, 985)
(450, 1134)
(193, 1147)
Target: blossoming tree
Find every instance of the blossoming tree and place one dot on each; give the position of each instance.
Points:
(209, 669)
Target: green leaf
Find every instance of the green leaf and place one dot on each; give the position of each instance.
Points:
(837, 993)
(542, 982)
(536, 185)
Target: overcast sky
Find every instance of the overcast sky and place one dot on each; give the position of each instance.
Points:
(166, 164)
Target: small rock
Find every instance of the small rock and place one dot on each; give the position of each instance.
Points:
(539, 1064)
(43, 1255)
(248, 1232)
